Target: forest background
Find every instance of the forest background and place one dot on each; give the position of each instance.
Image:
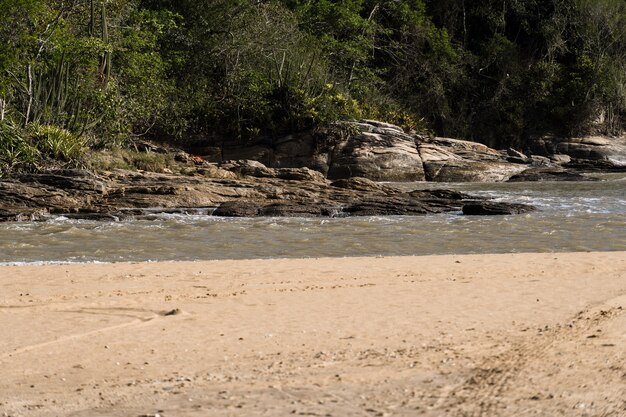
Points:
(79, 74)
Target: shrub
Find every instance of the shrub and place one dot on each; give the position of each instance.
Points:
(57, 143)
(15, 151)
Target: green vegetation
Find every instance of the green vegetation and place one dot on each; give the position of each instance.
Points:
(100, 72)
(128, 159)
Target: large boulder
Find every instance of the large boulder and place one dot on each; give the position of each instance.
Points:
(454, 160)
(593, 152)
(376, 151)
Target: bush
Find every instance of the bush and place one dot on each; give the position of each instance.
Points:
(57, 143)
(15, 151)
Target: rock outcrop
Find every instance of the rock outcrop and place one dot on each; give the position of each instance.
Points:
(590, 153)
(384, 152)
(377, 151)
(369, 149)
(272, 192)
(453, 160)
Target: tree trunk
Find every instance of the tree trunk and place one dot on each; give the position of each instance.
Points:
(3, 105)
(30, 95)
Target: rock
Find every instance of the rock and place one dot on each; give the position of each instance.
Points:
(21, 197)
(514, 153)
(300, 151)
(549, 174)
(71, 179)
(370, 149)
(449, 195)
(606, 152)
(538, 160)
(593, 152)
(213, 171)
(387, 208)
(377, 151)
(248, 167)
(453, 160)
(112, 217)
(182, 157)
(238, 209)
(492, 208)
(358, 184)
(258, 170)
(23, 216)
(299, 174)
(300, 210)
(149, 147)
(516, 157)
(560, 159)
(122, 194)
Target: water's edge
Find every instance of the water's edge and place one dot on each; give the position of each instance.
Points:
(580, 216)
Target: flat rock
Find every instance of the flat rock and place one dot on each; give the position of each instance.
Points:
(549, 174)
(359, 184)
(281, 192)
(70, 179)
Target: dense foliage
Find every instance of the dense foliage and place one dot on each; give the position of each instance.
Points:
(495, 71)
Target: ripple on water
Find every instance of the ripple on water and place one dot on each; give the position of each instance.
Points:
(571, 217)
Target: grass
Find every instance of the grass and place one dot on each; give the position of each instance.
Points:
(132, 160)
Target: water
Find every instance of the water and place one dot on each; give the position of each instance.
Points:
(581, 216)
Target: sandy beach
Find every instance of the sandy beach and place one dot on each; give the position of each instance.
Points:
(484, 335)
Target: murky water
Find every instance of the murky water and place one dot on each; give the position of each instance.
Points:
(582, 216)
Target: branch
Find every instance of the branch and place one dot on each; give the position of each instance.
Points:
(51, 28)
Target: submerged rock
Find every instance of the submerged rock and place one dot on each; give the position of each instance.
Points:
(549, 174)
(237, 209)
(493, 208)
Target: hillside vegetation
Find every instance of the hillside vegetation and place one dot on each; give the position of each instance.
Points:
(98, 73)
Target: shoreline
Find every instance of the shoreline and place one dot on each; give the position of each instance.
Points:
(312, 258)
(502, 334)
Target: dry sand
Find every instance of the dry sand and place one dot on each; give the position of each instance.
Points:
(489, 335)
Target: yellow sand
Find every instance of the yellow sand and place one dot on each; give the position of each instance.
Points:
(485, 335)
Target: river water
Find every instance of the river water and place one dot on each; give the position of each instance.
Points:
(572, 216)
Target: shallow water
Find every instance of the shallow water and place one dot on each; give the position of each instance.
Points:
(578, 216)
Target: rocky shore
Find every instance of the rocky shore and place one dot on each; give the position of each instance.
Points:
(307, 176)
(122, 194)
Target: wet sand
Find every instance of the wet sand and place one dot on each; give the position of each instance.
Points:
(484, 335)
